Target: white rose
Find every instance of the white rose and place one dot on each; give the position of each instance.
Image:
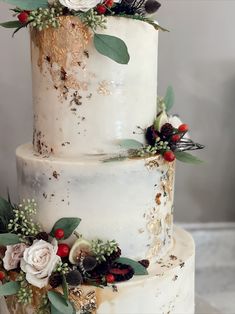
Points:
(13, 255)
(80, 5)
(39, 261)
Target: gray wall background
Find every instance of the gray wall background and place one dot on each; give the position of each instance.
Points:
(198, 58)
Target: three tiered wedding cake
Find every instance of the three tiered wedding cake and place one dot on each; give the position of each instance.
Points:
(102, 152)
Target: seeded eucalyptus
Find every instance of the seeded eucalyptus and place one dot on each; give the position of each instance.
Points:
(44, 18)
(22, 222)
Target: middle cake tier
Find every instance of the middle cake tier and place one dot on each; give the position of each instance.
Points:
(130, 200)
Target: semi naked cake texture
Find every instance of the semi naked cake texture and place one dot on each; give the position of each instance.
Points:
(84, 104)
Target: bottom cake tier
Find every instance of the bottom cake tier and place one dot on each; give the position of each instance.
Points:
(168, 289)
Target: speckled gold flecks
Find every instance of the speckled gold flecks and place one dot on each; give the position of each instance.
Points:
(154, 226)
(154, 249)
(169, 219)
(103, 88)
(61, 51)
(85, 302)
(15, 307)
(68, 41)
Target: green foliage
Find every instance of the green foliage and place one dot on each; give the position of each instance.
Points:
(187, 158)
(23, 223)
(11, 24)
(28, 4)
(93, 20)
(138, 268)
(62, 268)
(9, 239)
(101, 249)
(67, 224)
(169, 98)
(112, 47)
(9, 288)
(130, 144)
(44, 18)
(59, 304)
(6, 214)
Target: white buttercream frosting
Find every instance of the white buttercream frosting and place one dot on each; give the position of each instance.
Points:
(84, 101)
(131, 197)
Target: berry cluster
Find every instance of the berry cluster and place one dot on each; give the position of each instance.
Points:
(105, 6)
(165, 140)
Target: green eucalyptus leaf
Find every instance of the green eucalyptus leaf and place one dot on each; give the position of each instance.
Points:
(28, 4)
(188, 158)
(67, 224)
(112, 47)
(11, 24)
(59, 304)
(6, 213)
(169, 98)
(9, 239)
(139, 269)
(130, 144)
(9, 288)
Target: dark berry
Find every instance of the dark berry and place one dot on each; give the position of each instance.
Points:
(74, 278)
(151, 6)
(144, 262)
(169, 156)
(55, 280)
(166, 130)
(63, 250)
(151, 135)
(42, 236)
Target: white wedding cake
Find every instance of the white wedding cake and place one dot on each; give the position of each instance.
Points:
(85, 107)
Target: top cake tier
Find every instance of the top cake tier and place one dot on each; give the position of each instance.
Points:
(83, 101)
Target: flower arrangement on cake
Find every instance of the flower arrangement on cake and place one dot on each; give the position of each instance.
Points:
(33, 260)
(43, 14)
(167, 136)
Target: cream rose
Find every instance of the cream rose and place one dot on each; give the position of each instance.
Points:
(13, 255)
(39, 261)
(80, 5)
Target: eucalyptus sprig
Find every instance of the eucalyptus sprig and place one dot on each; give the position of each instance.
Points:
(102, 249)
(22, 222)
(25, 293)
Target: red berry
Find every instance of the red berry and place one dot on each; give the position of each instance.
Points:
(109, 3)
(175, 138)
(59, 234)
(110, 278)
(169, 156)
(101, 9)
(2, 275)
(23, 17)
(63, 250)
(183, 128)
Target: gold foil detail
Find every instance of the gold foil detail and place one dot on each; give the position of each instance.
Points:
(61, 51)
(103, 88)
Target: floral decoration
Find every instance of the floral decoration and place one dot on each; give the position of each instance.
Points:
(37, 263)
(43, 14)
(167, 136)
